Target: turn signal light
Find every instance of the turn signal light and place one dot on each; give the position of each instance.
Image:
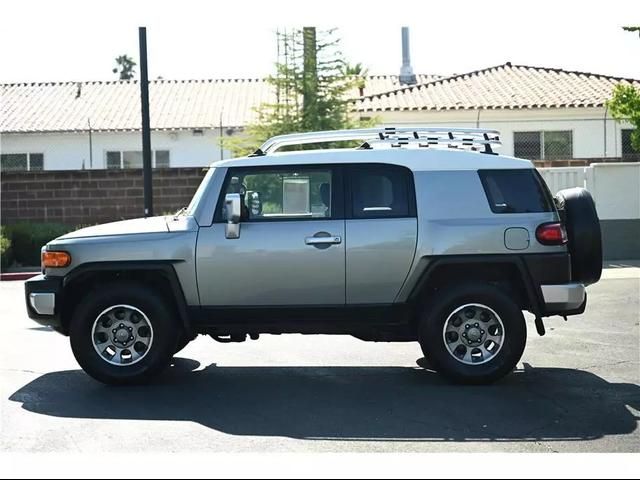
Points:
(55, 259)
(551, 234)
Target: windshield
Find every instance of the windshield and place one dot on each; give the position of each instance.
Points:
(200, 192)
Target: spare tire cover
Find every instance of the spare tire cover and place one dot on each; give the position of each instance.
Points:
(583, 229)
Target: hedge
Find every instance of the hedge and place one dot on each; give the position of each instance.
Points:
(26, 240)
(6, 254)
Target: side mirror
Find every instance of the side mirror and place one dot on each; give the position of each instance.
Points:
(233, 213)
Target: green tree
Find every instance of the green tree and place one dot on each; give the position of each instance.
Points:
(359, 74)
(125, 67)
(312, 90)
(625, 105)
(632, 29)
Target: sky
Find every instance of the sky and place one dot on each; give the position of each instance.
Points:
(69, 40)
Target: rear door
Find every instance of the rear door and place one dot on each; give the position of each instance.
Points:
(291, 249)
(381, 231)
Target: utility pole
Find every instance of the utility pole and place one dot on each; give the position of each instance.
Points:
(309, 76)
(146, 127)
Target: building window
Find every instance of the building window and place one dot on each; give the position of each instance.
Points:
(162, 159)
(628, 152)
(17, 162)
(36, 161)
(133, 159)
(527, 145)
(549, 145)
(114, 160)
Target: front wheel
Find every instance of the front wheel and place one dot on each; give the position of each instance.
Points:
(473, 334)
(123, 333)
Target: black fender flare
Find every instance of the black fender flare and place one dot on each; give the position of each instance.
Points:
(165, 267)
(533, 291)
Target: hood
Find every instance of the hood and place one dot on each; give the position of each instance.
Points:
(125, 227)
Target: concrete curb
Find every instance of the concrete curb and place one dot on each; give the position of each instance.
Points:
(7, 277)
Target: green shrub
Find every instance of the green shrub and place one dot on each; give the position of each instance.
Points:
(6, 254)
(28, 238)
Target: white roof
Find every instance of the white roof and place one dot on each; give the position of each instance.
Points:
(416, 159)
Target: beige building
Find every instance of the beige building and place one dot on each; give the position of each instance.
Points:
(548, 114)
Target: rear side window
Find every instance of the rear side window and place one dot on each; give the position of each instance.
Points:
(516, 191)
(381, 191)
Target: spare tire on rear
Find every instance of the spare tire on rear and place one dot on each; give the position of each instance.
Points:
(578, 212)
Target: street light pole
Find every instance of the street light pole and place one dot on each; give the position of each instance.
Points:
(146, 127)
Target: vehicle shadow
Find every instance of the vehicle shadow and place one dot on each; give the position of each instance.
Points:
(352, 403)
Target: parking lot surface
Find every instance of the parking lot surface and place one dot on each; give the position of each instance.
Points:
(576, 390)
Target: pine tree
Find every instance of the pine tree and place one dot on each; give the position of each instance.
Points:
(312, 84)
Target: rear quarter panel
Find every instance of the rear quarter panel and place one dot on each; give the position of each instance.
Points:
(455, 219)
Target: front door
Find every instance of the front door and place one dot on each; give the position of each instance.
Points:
(291, 249)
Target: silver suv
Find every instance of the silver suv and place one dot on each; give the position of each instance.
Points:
(415, 234)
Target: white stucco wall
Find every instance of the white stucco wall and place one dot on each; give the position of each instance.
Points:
(615, 186)
(587, 124)
(67, 151)
(70, 151)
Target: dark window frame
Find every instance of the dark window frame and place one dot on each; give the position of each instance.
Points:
(352, 169)
(540, 144)
(28, 167)
(30, 161)
(630, 155)
(543, 191)
(155, 158)
(121, 153)
(337, 191)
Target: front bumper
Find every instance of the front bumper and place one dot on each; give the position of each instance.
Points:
(565, 299)
(43, 298)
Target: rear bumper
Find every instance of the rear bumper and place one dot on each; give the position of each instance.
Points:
(43, 298)
(565, 299)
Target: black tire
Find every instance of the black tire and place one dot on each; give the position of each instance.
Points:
(159, 313)
(583, 229)
(433, 344)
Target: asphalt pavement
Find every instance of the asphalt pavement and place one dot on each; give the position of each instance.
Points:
(576, 390)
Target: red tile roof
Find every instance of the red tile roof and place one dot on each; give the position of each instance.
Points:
(115, 105)
(502, 87)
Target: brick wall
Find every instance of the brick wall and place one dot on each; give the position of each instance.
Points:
(91, 196)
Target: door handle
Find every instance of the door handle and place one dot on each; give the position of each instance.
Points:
(331, 240)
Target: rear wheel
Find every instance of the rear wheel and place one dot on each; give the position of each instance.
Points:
(473, 334)
(123, 333)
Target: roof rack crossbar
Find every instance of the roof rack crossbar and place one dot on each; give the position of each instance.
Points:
(466, 137)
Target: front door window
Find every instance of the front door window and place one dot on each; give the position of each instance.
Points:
(287, 194)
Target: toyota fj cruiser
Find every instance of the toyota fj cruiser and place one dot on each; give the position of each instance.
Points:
(417, 234)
